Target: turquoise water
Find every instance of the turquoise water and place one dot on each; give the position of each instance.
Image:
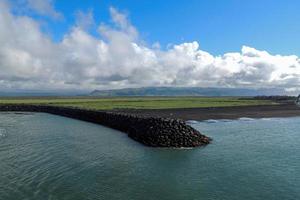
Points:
(44, 156)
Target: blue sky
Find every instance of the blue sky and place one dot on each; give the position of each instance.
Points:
(97, 44)
(219, 26)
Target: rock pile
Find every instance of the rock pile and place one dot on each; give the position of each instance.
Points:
(154, 132)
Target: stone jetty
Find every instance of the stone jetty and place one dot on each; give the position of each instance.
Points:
(150, 131)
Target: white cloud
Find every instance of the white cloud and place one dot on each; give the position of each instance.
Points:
(44, 7)
(85, 20)
(29, 59)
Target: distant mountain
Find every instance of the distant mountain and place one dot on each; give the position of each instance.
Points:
(187, 91)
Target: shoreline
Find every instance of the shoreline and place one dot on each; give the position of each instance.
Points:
(150, 131)
(161, 127)
(217, 113)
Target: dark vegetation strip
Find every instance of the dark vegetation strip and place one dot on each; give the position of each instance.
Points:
(150, 131)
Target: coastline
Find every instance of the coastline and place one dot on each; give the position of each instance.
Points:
(234, 112)
(150, 131)
(161, 127)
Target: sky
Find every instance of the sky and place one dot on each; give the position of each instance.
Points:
(107, 44)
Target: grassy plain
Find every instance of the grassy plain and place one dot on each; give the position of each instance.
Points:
(135, 102)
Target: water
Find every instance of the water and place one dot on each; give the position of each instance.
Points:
(44, 156)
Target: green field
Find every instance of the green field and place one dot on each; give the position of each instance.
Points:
(135, 102)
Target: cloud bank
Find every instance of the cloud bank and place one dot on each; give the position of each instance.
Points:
(117, 58)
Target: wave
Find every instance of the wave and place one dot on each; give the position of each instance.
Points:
(246, 119)
(217, 120)
(243, 119)
(192, 122)
(211, 121)
(268, 119)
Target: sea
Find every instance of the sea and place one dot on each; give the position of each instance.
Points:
(48, 157)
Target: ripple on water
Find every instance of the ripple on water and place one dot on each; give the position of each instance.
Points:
(2, 133)
(50, 157)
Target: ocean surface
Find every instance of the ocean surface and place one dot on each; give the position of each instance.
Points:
(45, 157)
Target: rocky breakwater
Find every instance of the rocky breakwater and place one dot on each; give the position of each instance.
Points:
(150, 131)
(165, 132)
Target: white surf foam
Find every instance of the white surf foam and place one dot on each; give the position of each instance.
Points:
(246, 119)
(211, 121)
(192, 122)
